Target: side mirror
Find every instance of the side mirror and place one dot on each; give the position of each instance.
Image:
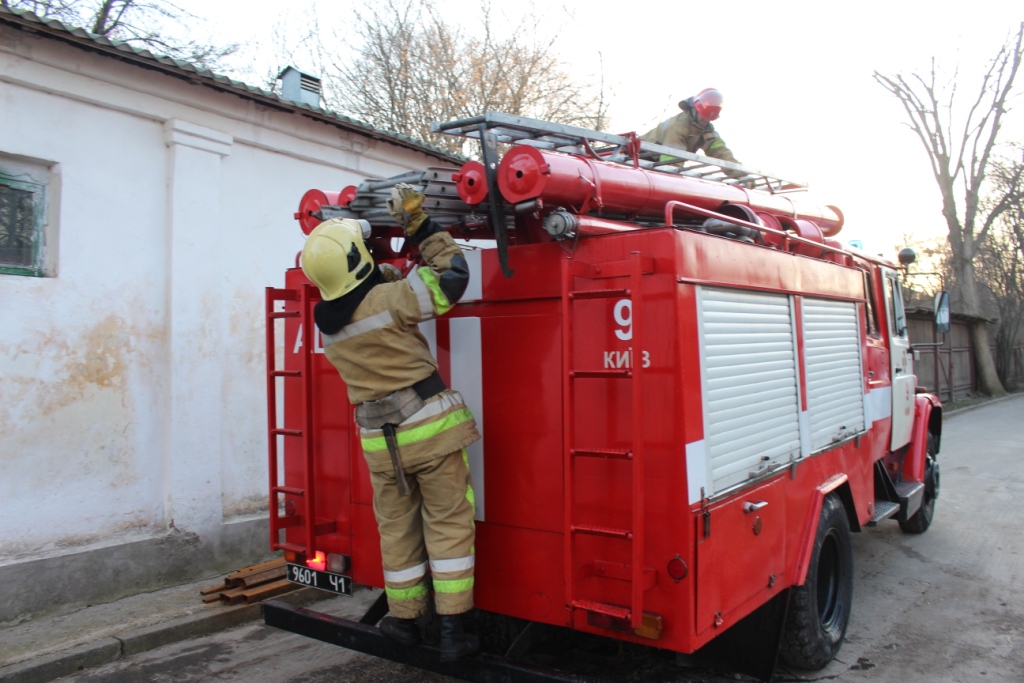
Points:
(942, 312)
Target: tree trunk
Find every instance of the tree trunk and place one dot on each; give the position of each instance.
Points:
(988, 378)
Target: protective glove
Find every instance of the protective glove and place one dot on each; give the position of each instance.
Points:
(390, 273)
(406, 207)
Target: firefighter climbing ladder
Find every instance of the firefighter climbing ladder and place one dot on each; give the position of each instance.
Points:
(314, 527)
(624, 149)
(640, 580)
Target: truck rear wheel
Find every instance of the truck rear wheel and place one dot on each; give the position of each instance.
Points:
(820, 609)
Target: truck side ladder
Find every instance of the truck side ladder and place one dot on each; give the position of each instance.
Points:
(313, 526)
(640, 580)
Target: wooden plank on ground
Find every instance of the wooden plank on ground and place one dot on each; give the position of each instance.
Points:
(251, 584)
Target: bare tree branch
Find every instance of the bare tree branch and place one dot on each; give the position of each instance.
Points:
(137, 22)
(963, 172)
(1001, 260)
(412, 67)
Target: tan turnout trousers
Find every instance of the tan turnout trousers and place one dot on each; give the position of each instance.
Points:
(430, 529)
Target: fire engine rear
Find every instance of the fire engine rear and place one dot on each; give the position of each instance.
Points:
(690, 394)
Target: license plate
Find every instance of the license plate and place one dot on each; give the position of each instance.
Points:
(336, 583)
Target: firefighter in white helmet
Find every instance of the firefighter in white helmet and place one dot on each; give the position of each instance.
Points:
(692, 129)
(414, 430)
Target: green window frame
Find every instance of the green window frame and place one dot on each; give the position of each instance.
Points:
(22, 224)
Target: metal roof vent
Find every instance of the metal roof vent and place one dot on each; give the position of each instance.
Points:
(299, 87)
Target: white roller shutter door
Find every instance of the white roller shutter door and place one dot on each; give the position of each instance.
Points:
(748, 365)
(835, 384)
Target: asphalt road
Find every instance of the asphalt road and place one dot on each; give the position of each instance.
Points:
(946, 606)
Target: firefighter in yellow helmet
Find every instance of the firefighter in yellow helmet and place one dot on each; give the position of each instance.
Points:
(414, 429)
(692, 129)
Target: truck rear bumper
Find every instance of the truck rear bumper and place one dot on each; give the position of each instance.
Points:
(483, 668)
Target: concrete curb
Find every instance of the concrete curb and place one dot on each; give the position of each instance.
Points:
(133, 641)
(64, 663)
(967, 409)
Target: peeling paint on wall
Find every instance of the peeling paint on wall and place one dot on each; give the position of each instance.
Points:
(69, 417)
(95, 359)
(245, 506)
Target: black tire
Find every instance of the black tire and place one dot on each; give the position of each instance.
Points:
(922, 519)
(820, 609)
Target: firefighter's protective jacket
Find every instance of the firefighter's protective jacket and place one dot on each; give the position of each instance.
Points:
(380, 350)
(684, 132)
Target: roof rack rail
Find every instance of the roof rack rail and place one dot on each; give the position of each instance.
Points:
(626, 149)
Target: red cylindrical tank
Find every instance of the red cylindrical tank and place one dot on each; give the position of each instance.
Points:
(586, 184)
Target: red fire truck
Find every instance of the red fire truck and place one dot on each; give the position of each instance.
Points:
(690, 394)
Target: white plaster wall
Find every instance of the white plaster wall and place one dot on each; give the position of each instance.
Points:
(132, 386)
(81, 380)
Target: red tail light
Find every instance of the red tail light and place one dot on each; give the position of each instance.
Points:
(318, 562)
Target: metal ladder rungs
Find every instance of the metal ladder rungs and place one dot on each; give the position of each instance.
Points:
(598, 293)
(302, 519)
(601, 453)
(294, 547)
(633, 268)
(290, 490)
(323, 525)
(609, 532)
(601, 608)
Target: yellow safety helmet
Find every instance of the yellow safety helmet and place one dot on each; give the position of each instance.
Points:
(335, 257)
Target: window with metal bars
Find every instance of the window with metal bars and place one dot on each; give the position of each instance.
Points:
(22, 219)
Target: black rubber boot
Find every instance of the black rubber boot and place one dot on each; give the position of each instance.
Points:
(402, 631)
(455, 642)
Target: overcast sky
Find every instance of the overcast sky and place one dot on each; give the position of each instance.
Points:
(799, 97)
